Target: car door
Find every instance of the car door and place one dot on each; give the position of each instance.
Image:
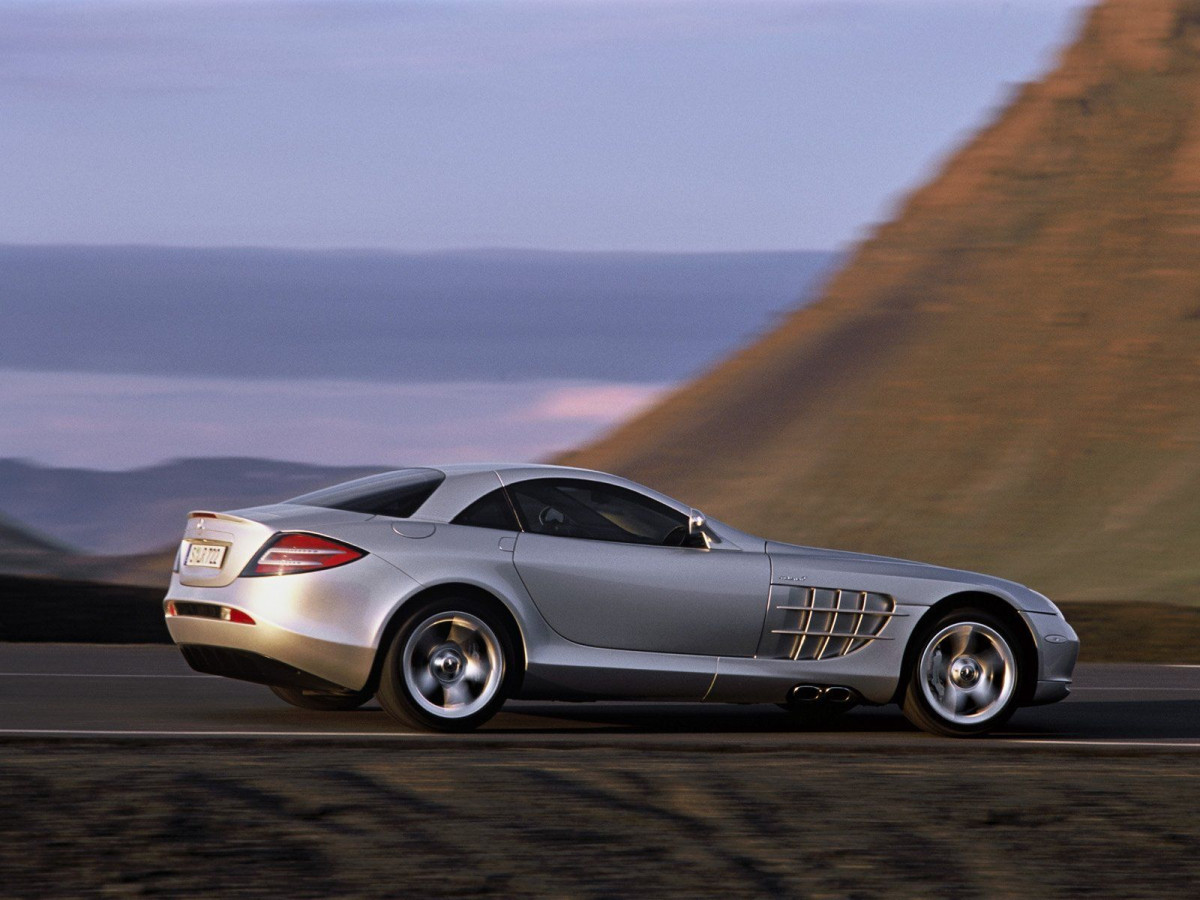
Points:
(594, 559)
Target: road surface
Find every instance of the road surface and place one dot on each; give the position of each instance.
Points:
(84, 691)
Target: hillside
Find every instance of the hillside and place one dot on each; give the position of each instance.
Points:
(25, 552)
(22, 549)
(141, 510)
(1006, 376)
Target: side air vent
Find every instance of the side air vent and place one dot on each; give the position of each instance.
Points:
(823, 623)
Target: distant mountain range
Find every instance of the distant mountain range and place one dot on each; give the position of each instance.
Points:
(453, 316)
(1006, 376)
(88, 511)
(25, 552)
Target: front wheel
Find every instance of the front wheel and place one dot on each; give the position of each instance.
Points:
(965, 675)
(448, 667)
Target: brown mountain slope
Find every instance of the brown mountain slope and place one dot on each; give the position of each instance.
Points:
(1007, 376)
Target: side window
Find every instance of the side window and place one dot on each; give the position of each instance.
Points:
(600, 512)
(394, 494)
(489, 511)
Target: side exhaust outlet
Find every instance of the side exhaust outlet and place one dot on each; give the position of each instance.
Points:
(805, 693)
(815, 693)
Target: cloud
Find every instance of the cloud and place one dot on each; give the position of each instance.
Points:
(600, 403)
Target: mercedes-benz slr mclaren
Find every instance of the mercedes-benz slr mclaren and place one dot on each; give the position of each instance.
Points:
(445, 591)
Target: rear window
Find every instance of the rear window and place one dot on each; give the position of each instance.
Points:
(396, 494)
(490, 511)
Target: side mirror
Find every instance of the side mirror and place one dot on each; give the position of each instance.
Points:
(697, 536)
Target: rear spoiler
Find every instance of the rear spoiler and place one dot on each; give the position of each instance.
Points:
(209, 514)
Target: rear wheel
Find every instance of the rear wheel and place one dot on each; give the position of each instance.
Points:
(449, 666)
(326, 701)
(965, 675)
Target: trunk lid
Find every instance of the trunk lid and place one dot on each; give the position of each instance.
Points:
(217, 545)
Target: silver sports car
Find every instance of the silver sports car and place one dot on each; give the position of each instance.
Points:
(444, 591)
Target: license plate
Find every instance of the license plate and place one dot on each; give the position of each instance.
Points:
(208, 556)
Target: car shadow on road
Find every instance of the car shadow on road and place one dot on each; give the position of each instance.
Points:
(1123, 720)
(1076, 719)
(695, 718)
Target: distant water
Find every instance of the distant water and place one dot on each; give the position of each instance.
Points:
(493, 315)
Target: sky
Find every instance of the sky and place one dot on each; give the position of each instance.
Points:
(584, 125)
(674, 125)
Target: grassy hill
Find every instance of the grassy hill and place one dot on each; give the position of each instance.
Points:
(1005, 377)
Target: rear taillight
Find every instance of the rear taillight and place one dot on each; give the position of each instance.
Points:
(208, 611)
(228, 614)
(286, 554)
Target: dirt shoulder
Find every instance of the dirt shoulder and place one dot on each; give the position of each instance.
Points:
(302, 820)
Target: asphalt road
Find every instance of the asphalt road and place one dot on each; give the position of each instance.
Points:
(83, 691)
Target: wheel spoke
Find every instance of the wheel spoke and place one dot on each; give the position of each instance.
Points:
(993, 662)
(457, 694)
(476, 671)
(425, 645)
(460, 633)
(982, 696)
(426, 683)
(952, 644)
(963, 639)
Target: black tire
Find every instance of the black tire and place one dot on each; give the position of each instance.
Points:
(450, 666)
(324, 701)
(965, 676)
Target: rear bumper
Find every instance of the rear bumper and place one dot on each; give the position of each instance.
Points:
(225, 648)
(325, 624)
(246, 666)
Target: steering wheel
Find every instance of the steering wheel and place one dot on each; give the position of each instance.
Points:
(552, 520)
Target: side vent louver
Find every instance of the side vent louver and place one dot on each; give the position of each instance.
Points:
(823, 623)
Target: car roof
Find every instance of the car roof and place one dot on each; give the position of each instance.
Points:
(467, 482)
(454, 469)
